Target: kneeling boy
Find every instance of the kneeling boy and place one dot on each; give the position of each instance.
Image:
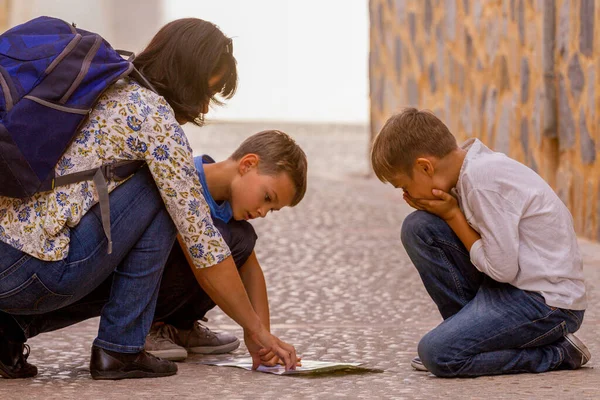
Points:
(495, 248)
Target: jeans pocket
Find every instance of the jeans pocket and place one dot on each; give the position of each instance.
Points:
(31, 297)
(15, 266)
(549, 337)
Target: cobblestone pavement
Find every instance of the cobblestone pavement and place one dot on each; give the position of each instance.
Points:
(341, 288)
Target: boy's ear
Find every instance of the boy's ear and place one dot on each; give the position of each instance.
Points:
(248, 162)
(425, 166)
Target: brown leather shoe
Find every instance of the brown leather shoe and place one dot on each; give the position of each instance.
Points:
(13, 360)
(106, 364)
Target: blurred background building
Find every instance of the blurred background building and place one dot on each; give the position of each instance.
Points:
(521, 75)
(298, 60)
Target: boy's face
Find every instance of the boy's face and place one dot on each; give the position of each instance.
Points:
(254, 194)
(422, 182)
(417, 187)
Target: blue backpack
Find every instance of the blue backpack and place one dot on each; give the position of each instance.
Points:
(51, 75)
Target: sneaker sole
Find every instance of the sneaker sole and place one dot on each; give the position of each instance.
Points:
(225, 348)
(170, 355)
(117, 375)
(418, 366)
(581, 348)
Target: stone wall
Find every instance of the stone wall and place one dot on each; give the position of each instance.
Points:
(520, 75)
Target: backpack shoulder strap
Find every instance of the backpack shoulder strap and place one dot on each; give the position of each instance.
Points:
(117, 171)
(135, 73)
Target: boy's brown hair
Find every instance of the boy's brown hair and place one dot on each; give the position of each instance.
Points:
(404, 138)
(278, 152)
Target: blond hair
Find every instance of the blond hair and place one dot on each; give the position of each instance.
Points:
(277, 152)
(404, 138)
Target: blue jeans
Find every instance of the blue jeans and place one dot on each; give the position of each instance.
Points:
(489, 327)
(143, 235)
(181, 300)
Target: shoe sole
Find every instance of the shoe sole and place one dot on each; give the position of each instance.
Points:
(170, 355)
(418, 365)
(581, 348)
(8, 375)
(225, 348)
(117, 375)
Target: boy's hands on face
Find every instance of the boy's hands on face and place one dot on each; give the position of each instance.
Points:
(444, 205)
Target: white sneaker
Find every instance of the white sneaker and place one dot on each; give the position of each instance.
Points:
(576, 353)
(417, 364)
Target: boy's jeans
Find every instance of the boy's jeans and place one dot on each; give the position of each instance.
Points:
(181, 300)
(143, 236)
(489, 327)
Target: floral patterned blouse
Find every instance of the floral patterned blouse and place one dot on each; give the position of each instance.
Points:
(128, 122)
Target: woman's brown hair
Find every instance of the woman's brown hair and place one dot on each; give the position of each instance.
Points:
(180, 60)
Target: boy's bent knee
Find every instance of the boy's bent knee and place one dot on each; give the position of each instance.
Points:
(240, 237)
(418, 226)
(435, 354)
(244, 238)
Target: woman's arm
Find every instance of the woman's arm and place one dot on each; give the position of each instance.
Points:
(254, 281)
(256, 287)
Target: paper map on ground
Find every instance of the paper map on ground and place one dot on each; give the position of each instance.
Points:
(308, 367)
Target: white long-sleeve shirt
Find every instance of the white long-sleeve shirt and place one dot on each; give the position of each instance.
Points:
(527, 234)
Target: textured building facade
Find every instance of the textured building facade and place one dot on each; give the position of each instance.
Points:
(521, 75)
